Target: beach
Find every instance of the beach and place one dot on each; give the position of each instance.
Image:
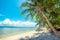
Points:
(21, 35)
(18, 36)
(32, 35)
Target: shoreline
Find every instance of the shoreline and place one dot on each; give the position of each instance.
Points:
(12, 34)
(32, 35)
(18, 36)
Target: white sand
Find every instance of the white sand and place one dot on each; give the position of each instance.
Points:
(18, 36)
(33, 35)
(22, 35)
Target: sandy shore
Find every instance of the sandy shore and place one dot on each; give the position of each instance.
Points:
(18, 36)
(33, 35)
(21, 35)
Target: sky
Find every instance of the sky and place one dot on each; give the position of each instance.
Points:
(10, 9)
(10, 13)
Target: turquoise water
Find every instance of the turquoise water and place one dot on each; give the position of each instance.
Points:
(4, 31)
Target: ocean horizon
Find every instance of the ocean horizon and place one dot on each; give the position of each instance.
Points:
(14, 27)
(4, 30)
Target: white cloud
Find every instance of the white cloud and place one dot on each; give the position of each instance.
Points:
(8, 22)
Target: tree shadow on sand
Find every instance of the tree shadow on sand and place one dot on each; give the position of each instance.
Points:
(41, 36)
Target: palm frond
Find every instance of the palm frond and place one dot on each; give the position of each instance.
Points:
(27, 17)
(27, 4)
(37, 17)
(26, 11)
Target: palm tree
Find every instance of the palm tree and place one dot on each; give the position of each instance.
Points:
(39, 24)
(54, 19)
(38, 8)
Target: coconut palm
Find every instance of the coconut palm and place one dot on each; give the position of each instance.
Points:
(54, 18)
(39, 9)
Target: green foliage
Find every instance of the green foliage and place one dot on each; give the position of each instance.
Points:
(54, 18)
(51, 8)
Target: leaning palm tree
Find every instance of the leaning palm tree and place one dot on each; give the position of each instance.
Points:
(31, 12)
(39, 8)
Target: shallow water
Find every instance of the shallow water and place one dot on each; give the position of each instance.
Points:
(4, 31)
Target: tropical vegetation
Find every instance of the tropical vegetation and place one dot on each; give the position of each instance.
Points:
(47, 11)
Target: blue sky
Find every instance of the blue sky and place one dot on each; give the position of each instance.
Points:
(10, 9)
(10, 13)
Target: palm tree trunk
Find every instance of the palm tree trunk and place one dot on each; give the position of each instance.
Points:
(48, 22)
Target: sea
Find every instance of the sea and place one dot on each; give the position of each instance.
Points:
(5, 30)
